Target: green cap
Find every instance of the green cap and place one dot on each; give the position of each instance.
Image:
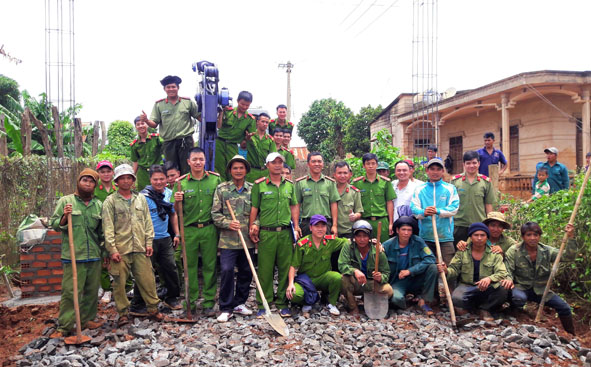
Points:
(383, 165)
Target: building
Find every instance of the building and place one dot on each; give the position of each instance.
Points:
(527, 113)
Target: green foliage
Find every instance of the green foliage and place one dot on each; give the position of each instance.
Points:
(9, 93)
(120, 134)
(357, 131)
(552, 213)
(322, 127)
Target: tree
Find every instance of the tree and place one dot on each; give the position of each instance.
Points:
(322, 127)
(9, 94)
(357, 133)
(120, 135)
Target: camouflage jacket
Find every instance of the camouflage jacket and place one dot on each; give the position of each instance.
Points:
(491, 265)
(527, 274)
(221, 217)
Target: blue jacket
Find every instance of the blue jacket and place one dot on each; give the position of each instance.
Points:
(419, 256)
(447, 206)
(557, 176)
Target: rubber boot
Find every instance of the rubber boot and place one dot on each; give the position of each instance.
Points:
(568, 324)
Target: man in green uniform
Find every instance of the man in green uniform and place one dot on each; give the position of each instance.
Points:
(357, 264)
(274, 203)
(312, 259)
(476, 196)
(278, 136)
(317, 194)
(105, 185)
(349, 207)
(496, 223)
(146, 151)
(201, 236)
(234, 126)
(86, 224)
(128, 239)
(281, 120)
(173, 114)
(258, 147)
(377, 195)
(529, 265)
(233, 295)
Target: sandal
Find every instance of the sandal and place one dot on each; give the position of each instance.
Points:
(427, 310)
(123, 320)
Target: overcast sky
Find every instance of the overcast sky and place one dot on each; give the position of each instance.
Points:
(357, 51)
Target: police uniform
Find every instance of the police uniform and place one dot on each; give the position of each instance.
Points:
(374, 196)
(100, 191)
(315, 263)
(258, 149)
(315, 197)
(275, 246)
(273, 124)
(289, 157)
(473, 197)
(146, 154)
(201, 236)
(229, 136)
(350, 202)
(176, 129)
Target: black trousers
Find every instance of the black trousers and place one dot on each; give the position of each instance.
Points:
(177, 151)
(470, 297)
(234, 292)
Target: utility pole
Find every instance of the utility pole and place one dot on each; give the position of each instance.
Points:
(288, 68)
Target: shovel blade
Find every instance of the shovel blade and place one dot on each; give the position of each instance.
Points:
(277, 323)
(77, 339)
(375, 305)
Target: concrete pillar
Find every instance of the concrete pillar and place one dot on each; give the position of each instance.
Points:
(506, 132)
(586, 114)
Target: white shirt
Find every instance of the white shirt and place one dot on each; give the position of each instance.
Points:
(403, 196)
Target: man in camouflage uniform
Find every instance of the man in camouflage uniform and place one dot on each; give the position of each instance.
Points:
(201, 236)
(500, 243)
(173, 114)
(476, 193)
(128, 239)
(529, 265)
(234, 126)
(146, 151)
(233, 296)
(281, 120)
(258, 146)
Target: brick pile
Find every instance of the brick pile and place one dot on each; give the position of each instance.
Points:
(41, 267)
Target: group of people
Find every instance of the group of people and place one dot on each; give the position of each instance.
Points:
(319, 232)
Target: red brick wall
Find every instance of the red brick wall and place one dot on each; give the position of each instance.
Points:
(41, 268)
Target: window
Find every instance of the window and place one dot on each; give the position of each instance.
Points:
(456, 151)
(421, 146)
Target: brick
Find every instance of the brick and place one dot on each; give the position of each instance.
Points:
(57, 256)
(44, 288)
(27, 275)
(55, 249)
(43, 272)
(38, 248)
(39, 264)
(53, 233)
(27, 257)
(25, 281)
(55, 280)
(27, 289)
(57, 287)
(57, 271)
(40, 281)
(43, 256)
(56, 241)
(54, 264)
(25, 266)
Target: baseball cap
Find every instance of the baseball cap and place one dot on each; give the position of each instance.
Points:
(317, 218)
(435, 161)
(103, 164)
(383, 165)
(272, 156)
(551, 150)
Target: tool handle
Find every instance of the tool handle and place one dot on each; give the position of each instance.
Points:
(74, 279)
(184, 253)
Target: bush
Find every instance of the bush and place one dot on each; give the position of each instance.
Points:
(120, 135)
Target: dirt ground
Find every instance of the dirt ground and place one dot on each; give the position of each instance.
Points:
(22, 324)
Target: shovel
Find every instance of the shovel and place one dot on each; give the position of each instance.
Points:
(78, 338)
(376, 304)
(189, 319)
(275, 321)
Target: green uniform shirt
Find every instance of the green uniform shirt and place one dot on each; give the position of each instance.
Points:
(527, 274)
(148, 152)
(273, 124)
(258, 149)
(315, 197)
(220, 214)
(100, 191)
(374, 195)
(473, 196)
(127, 224)
(86, 226)
(350, 260)
(350, 201)
(174, 119)
(198, 197)
(233, 127)
(491, 265)
(273, 202)
(312, 261)
(289, 157)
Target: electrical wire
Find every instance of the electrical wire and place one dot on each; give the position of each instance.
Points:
(547, 101)
(376, 19)
(362, 14)
(352, 11)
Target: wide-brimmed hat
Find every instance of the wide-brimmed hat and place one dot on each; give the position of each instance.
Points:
(238, 158)
(123, 169)
(496, 216)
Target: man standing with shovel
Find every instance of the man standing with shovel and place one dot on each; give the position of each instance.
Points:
(85, 211)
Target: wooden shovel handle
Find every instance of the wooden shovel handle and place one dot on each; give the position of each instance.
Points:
(74, 279)
(184, 252)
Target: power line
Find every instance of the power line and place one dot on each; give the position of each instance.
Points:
(361, 16)
(352, 11)
(378, 17)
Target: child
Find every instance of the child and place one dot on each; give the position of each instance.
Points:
(542, 186)
(146, 150)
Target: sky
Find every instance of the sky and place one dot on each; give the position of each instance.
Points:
(355, 51)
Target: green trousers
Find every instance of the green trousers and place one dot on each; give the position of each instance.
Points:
(106, 281)
(143, 178)
(274, 249)
(205, 241)
(138, 264)
(223, 153)
(328, 282)
(88, 285)
(255, 174)
(178, 259)
(385, 236)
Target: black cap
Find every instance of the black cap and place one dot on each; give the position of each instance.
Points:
(171, 79)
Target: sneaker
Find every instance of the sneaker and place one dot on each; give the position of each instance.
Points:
(208, 312)
(100, 292)
(242, 310)
(306, 308)
(106, 297)
(333, 310)
(261, 313)
(285, 312)
(224, 316)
